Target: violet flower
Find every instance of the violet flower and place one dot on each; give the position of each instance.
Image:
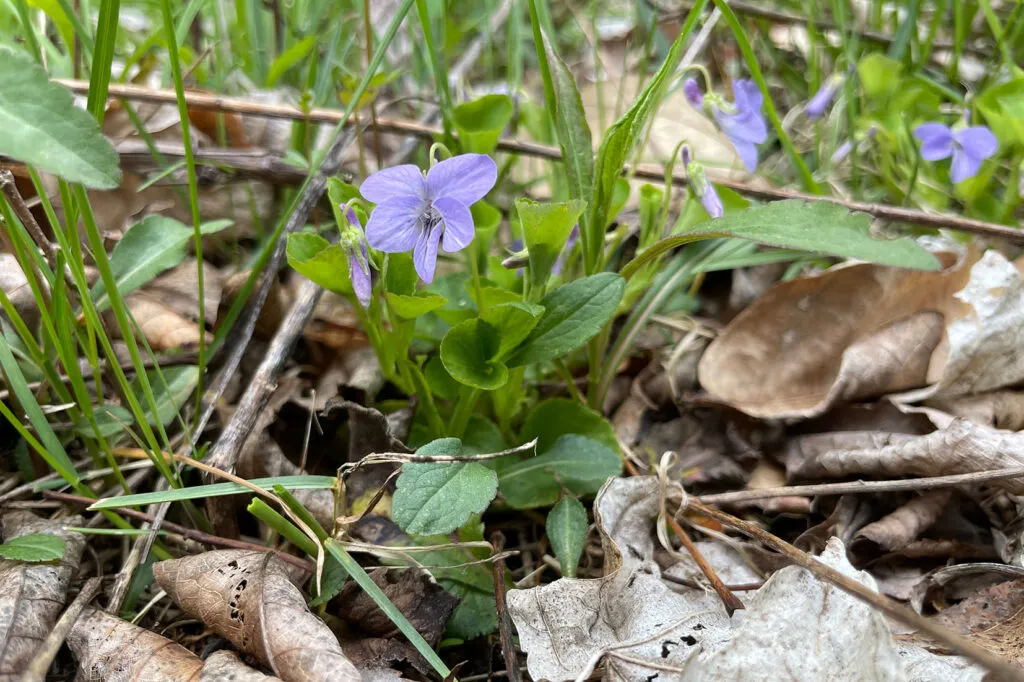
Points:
(702, 188)
(968, 145)
(559, 265)
(742, 121)
(822, 99)
(843, 150)
(353, 242)
(423, 211)
(693, 94)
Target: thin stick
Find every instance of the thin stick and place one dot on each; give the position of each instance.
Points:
(731, 602)
(680, 9)
(224, 453)
(36, 670)
(950, 639)
(21, 209)
(189, 533)
(857, 487)
(508, 649)
(650, 172)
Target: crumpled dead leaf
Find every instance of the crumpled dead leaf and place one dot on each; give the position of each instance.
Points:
(959, 448)
(32, 595)
(863, 330)
(113, 650)
(248, 598)
(899, 528)
(642, 629)
(423, 602)
(167, 308)
(993, 617)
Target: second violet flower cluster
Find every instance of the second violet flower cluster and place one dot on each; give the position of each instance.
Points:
(744, 125)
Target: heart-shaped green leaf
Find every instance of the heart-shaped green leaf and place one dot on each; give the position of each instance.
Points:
(468, 352)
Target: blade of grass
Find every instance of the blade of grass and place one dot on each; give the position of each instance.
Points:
(755, 72)
(437, 66)
(304, 482)
(193, 185)
(390, 610)
(103, 58)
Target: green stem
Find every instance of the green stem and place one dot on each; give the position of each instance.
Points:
(440, 76)
(463, 410)
(288, 530)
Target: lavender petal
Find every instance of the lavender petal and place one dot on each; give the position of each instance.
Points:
(424, 255)
(693, 94)
(359, 273)
(397, 181)
(393, 226)
(936, 141)
(977, 141)
(467, 178)
(711, 201)
(458, 223)
(747, 152)
(964, 166)
(748, 96)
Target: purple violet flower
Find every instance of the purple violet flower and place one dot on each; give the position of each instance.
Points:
(843, 150)
(822, 99)
(742, 121)
(559, 265)
(968, 145)
(420, 212)
(353, 241)
(702, 188)
(693, 94)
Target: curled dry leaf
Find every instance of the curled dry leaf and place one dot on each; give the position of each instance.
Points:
(248, 598)
(643, 630)
(959, 448)
(898, 529)
(163, 327)
(32, 594)
(864, 330)
(167, 308)
(425, 603)
(113, 650)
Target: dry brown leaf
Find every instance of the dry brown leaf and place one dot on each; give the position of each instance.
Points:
(993, 617)
(113, 650)
(960, 448)
(898, 529)
(999, 409)
(163, 327)
(425, 603)
(248, 598)
(14, 283)
(177, 289)
(786, 355)
(32, 595)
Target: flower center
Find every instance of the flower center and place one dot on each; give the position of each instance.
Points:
(430, 218)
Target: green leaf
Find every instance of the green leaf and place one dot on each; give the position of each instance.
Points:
(487, 219)
(35, 547)
(459, 306)
(290, 58)
(111, 420)
(214, 490)
(481, 436)
(468, 352)
(573, 313)
(411, 306)
(578, 463)
(149, 247)
(43, 128)
(556, 417)
(434, 499)
(619, 141)
(546, 228)
(481, 122)
(318, 260)
(181, 381)
(817, 226)
(879, 75)
(571, 126)
(1003, 108)
(567, 531)
(513, 321)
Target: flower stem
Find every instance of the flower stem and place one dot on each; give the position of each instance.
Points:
(463, 411)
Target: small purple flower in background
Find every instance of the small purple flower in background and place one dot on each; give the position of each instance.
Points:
(574, 236)
(968, 145)
(822, 99)
(843, 150)
(702, 188)
(693, 94)
(420, 212)
(353, 241)
(742, 121)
